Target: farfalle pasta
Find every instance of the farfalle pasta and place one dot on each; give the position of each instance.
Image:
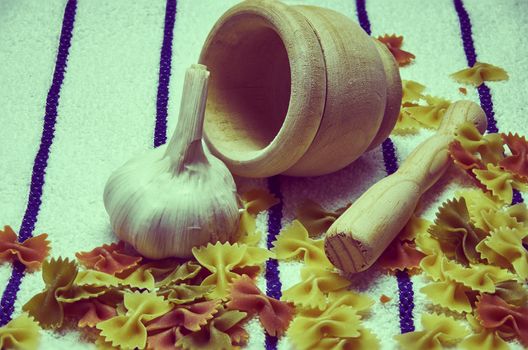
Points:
(517, 162)
(405, 123)
(504, 248)
(439, 331)
(181, 273)
(223, 261)
(21, 333)
(58, 276)
(500, 183)
(90, 312)
(294, 242)
(316, 219)
(478, 202)
(315, 283)
(129, 331)
(190, 317)
(512, 292)
(140, 278)
(507, 320)
(184, 293)
(275, 315)
(479, 73)
(456, 234)
(412, 91)
(31, 252)
(482, 338)
(394, 44)
(400, 255)
(489, 147)
(253, 202)
(430, 115)
(222, 332)
(109, 258)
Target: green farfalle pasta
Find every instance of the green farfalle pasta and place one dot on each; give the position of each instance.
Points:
(128, 331)
(504, 248)
(58, 276)
(294, 242)
(439, 331)
(223, 260)
(315, 283)
(456, 234)
(21, 333)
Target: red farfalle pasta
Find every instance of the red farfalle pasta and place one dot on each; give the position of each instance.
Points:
(165, 340)
(507, 320)
(463, 158)
(109, 259)
(517, 163)
(400, 255)
(31, 252)
(90, 312)
(394, 44)
(274, 315)
(190, 317)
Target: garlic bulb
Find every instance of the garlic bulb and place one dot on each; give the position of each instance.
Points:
(179, 195)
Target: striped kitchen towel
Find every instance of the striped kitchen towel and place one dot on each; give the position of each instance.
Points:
(87, 84)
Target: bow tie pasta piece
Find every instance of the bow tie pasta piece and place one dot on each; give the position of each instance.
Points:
(184, 293)
(20, 333)
(512, 292)
(109, 259)
(366, 341)
(400, 256)
(191, 317)
(412, 91)
(274, 315)
(31, 252)
(253, 202)
(489, 147)
(456, 234)
(439, 331)
(294, 242)
(128, 331)
(479, 73)
(316, 219)
(499, 182)
(430, 115)
(90, 312)
(315, 283)
(222, 332)
(181, 273)
(482, 338)
(224, 261)
(517, 162)
(504, 248)
(394, 43)
(507, 320)
(477, 202)
(140, 278)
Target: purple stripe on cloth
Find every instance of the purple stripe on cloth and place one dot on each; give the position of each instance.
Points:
(160, 130)
(405, 284)
(471, 56)
(41, 160)
(483, 90)
(273, 283)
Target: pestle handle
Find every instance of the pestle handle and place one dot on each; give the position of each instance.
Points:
(359, 236)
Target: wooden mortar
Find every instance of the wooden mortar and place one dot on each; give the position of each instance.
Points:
(298, 90)
(359, 236)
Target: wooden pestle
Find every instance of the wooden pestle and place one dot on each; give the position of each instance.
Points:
(359, 236)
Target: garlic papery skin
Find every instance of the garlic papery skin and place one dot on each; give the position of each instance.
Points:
(177, 196)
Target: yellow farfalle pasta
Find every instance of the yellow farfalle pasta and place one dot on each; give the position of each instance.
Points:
(477, 202)
(223, 260)
(412, 91)
(445, 291)
(294, 243)
(479, 277)
(184, 293)
(479, 73)
(366, 340)
(406, 124)
(504, 248)
(21, 333)
(253, 202)
(360, 302)
(315, 283)
(482, 338)
(490, 147)
(431, 115)
(128, 331)
(501, 183)
(140, 278)
(439, 331)
(492, 220)
(184, 272)
(309, 327)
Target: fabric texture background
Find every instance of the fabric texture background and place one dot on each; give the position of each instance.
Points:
(66, 126)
